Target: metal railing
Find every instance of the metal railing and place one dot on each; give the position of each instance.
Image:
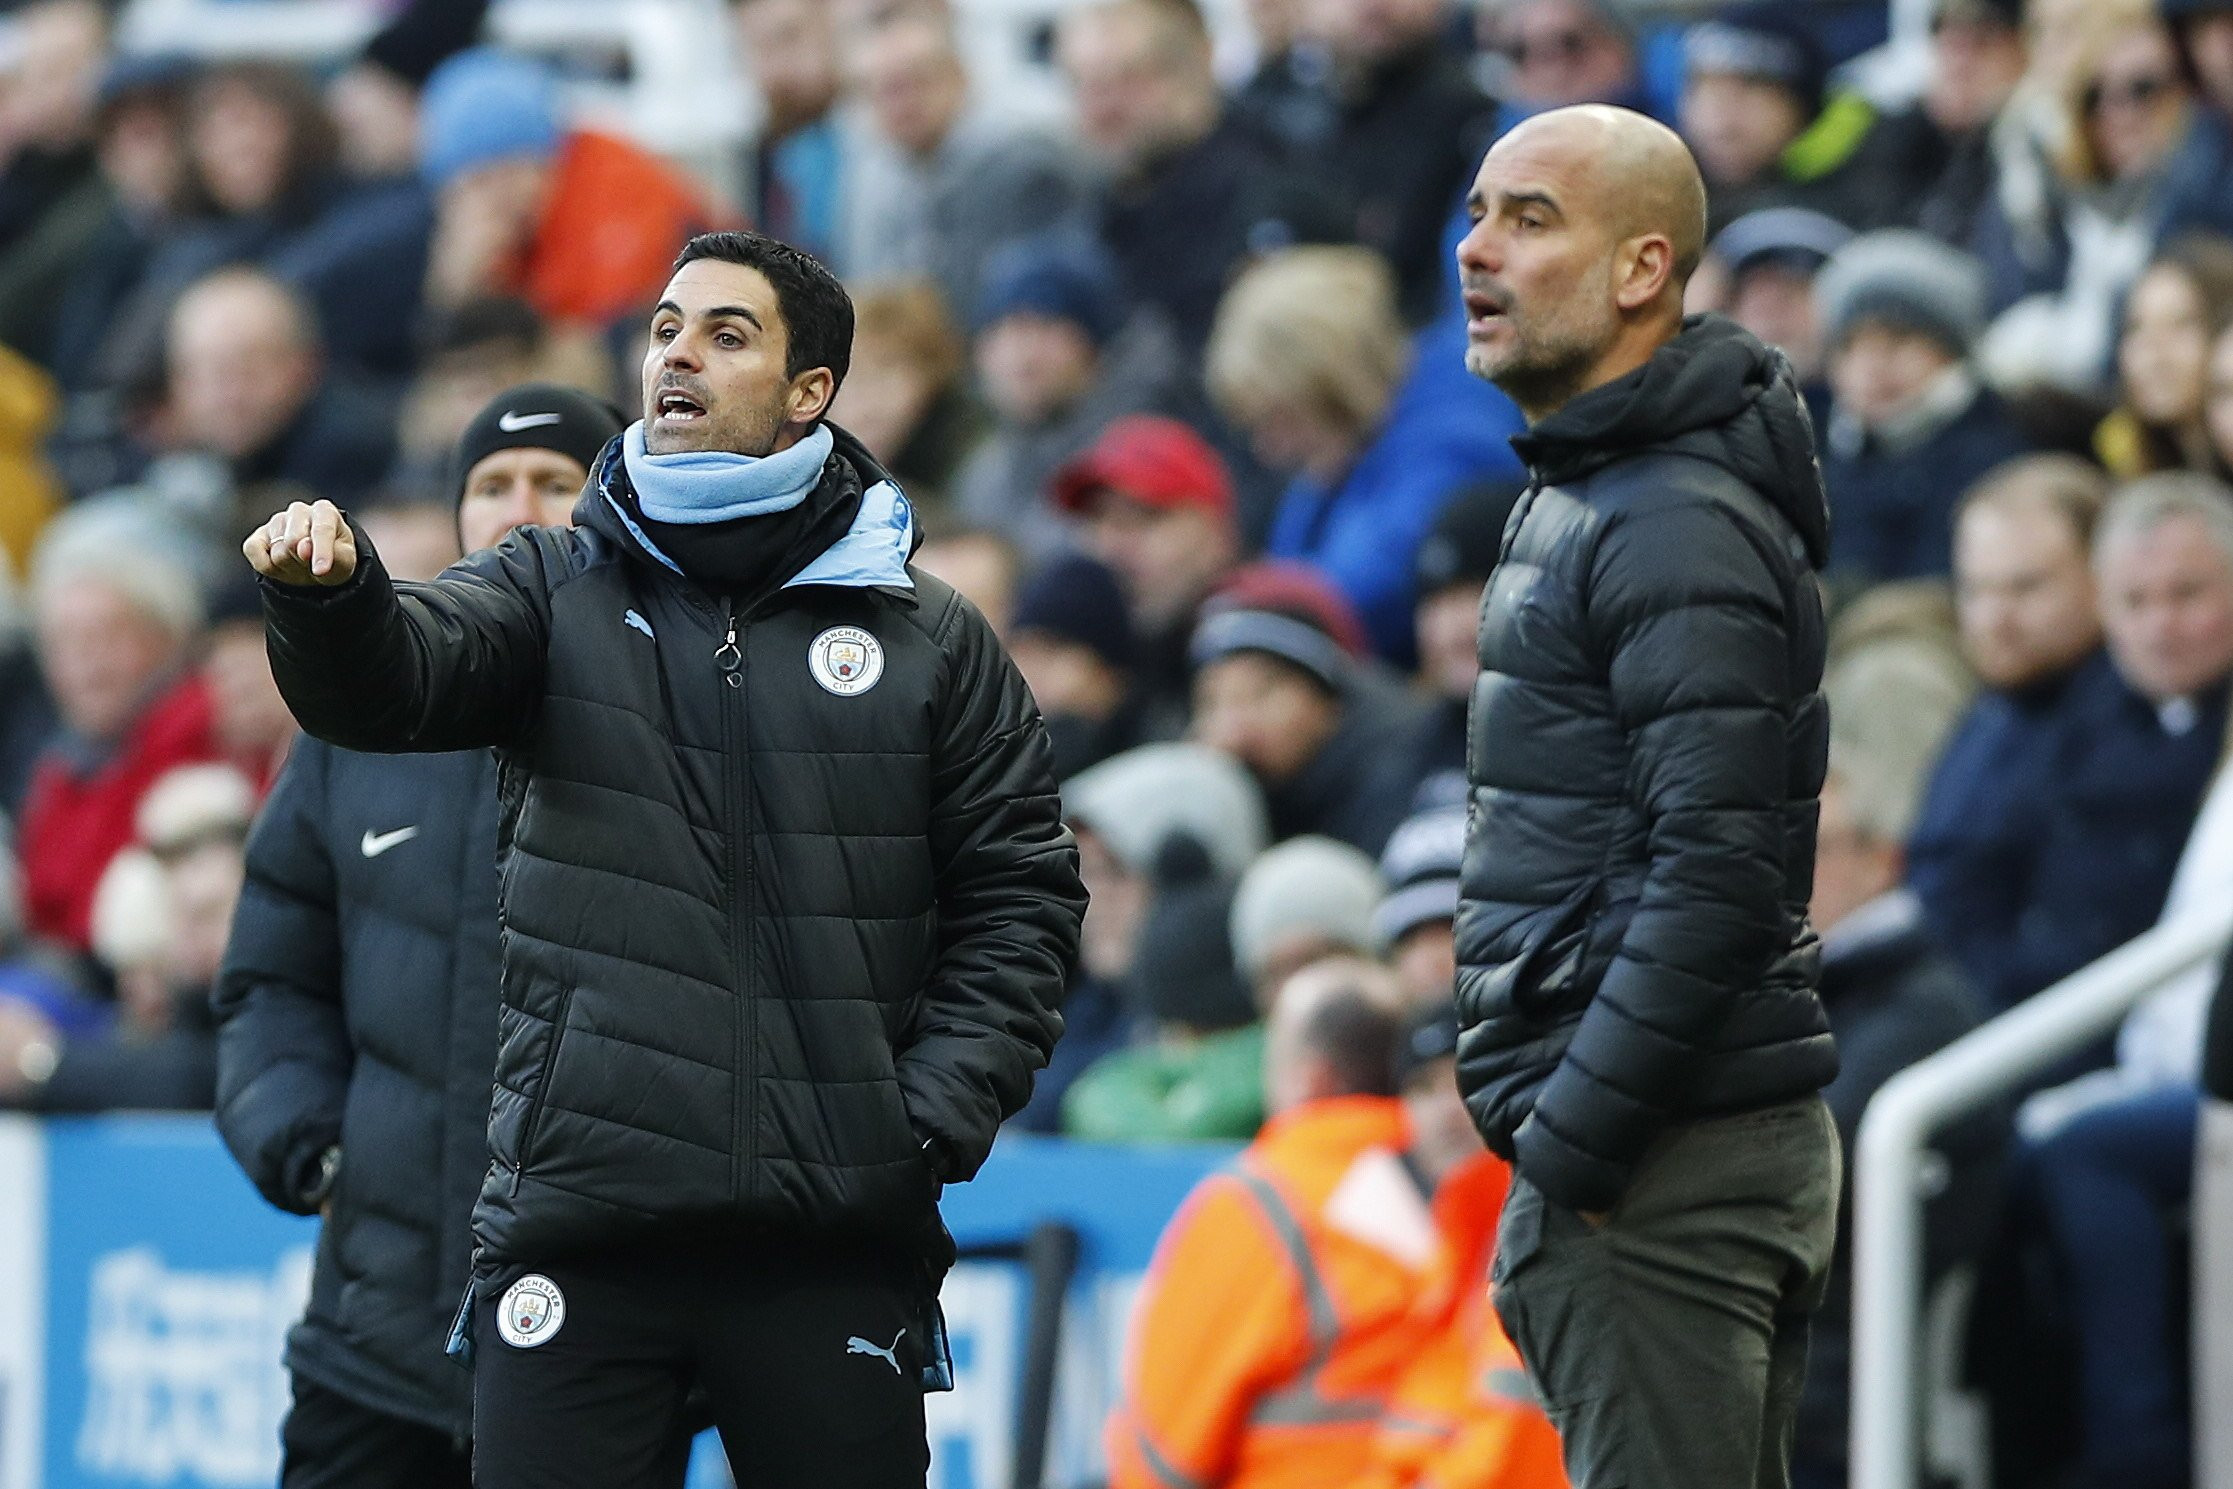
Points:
(1981, 1067)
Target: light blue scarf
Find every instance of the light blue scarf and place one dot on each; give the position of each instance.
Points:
(700, 486)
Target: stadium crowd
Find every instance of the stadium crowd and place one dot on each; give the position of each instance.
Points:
(1176, 385)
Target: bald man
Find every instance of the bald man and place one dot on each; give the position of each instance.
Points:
(1636, 972)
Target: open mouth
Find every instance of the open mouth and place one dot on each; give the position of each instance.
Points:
(1482, 311)
(679, 408)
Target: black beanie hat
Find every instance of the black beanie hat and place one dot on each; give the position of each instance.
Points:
(536, 416)
(427, 34)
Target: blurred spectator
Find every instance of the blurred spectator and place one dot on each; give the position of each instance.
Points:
(2172, 318)
(250, 719)
(907, 397)
(1282, 685)
(1453, 566)
(1302, 901)
(1311, 359)
(140, 142)
(247, 384)
(160, 921)
(580, 224)
(2217, 404)
(1414, 929)
(2133, 753)
(415, 539)
(114, 633)
(979, 562)
(1935, 156)
(937, 186)
(1910, 427)
(1202, 1075)
(29, 486)
(2105, 155)
(469, 355)
(1562, 52)
(1227, 1380)
(374, 101)
(53, 202)
(1463, 1415)
(1190, 190)
(1897, 684)
(1163, 834)
(1760, 270)
(27, 723)
(1893, 996)
(1057, 362)
(1073, 643)
(1405, 133)
(1157, 508)
(2203, 31)
(2030, 626)
(1752, 111)
(789, 48)
(262, 155)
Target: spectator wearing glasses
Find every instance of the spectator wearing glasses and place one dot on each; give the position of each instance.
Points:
(1560, 52)
(2104, 157)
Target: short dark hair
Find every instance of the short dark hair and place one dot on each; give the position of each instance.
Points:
(816, 311)
(1356, 1037)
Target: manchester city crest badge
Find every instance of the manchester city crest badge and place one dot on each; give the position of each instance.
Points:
(846, 660)
(531, 1313)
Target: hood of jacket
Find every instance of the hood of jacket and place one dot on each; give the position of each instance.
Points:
(872, 553)
(1716, 393)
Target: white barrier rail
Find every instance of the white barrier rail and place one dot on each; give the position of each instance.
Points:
(1983, 1066)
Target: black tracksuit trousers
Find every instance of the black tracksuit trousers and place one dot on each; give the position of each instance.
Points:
(810, 1358)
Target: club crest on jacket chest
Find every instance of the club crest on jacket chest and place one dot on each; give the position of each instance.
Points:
(846, 660)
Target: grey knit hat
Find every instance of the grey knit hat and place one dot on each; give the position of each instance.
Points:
(1308, 884)
(1135, 802)
(1905, 279)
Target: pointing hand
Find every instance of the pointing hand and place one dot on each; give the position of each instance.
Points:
(308, 544)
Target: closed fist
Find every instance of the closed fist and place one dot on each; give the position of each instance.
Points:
(308, 544)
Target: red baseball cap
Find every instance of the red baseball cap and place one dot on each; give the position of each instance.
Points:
(1154, 461)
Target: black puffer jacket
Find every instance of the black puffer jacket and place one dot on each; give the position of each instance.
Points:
(358, 1007)
(1648, 740)
(780, 952)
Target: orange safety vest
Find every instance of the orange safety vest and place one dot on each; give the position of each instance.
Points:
(1282, 1306)
(616, 217)
(1464, 1415)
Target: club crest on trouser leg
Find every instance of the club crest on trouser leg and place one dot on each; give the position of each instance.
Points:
(846, 660)
(531, 1313)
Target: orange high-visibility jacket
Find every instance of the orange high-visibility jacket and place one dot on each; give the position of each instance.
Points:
(1464, 1416)
(1282, 1305)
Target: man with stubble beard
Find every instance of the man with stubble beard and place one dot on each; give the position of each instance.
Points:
(786, 899)
(1636, 972)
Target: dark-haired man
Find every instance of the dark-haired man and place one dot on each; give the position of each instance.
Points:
(786, 894)
(1644, 1040)
(357, 1019)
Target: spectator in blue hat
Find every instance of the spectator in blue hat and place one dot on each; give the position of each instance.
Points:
(1760, 271)
(1072, 640)
(1059, 360)
(582, 225)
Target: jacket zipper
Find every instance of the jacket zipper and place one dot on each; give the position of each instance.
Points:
(737, 873)
(542, 1088)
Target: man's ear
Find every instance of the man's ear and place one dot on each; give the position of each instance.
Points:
(812, 393)
(1650, 265)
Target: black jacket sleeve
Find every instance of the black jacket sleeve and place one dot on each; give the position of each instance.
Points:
(453, 664)
(283, 1049)
(1690, 622)
(1009, 905)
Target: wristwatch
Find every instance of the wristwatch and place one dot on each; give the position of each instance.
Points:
(329, 1168)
